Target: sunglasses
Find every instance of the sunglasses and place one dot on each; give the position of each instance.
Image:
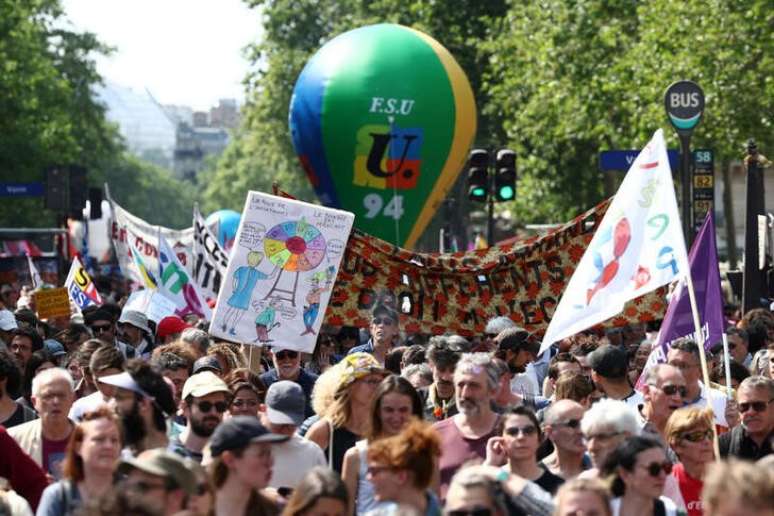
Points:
(572, 423)
(99, 328)
(757, 406)
(697, 436)
(206, 406)
(475, 511)
(526, 431)
(282, 355)
(671, 390)
(387, 321)
(245, 403)
(655, 468)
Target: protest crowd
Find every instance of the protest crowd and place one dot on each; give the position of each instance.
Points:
(110, 413)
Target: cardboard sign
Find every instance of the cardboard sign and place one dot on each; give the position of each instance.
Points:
(52, 302)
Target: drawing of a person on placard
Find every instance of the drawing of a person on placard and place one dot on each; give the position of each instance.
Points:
(312, 309)
(265, 322)
(245, 278)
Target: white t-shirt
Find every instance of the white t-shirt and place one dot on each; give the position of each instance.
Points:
(635, 400)
(717, 402)
(525, 383)
(86, 404)
(293, 459)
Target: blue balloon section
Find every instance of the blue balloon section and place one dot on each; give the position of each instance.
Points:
(224, 224)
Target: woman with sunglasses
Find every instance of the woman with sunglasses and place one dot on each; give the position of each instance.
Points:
(342, 398)
(515, 447)
(395, 403)
(639, 469)
(689, 433)
(90, 460)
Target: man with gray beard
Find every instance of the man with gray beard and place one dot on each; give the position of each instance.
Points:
(464, 436)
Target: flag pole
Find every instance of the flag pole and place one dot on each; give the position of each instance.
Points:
(727, 366)
(702, 355)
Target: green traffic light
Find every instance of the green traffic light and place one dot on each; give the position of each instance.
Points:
(479, 192)
(506, 193)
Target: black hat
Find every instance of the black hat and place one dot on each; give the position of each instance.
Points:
(516, 339)
(99, 314)
(207, 363)
(382, 309)
(238, 432)
(609, 361)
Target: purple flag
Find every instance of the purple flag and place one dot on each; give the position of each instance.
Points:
(678, 321)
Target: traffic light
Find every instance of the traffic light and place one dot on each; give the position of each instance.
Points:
(505, 175)
(79, 191)
(56, 188)
(478, 175)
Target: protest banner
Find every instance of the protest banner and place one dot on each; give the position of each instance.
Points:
(35, 278)
(175, 282)
(460, 292)
(154, 305)
(52, 302)
(80, 286)
(281, 272)
(637, 248)
(129, 232)
(210, 260)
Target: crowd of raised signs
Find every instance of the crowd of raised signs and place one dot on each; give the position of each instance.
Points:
(106, 413)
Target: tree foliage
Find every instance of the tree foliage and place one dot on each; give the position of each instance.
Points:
(557, 80)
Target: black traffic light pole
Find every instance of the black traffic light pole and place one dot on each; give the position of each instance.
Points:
(490, 211)
(753, 277)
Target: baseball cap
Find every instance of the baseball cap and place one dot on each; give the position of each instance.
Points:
(206, 363)
(285, 403)
(54, 348)
(170, 325)
(609, 361)
(136, 319)
(125, 381)
(165, 464)
(382, 309)
(7, 321)
(239, 431)
(516, 339)
(202, 384)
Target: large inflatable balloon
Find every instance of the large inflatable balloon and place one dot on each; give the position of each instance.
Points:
(382, 118)
(224, 225)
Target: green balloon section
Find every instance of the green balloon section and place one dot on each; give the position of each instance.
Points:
(382, 118)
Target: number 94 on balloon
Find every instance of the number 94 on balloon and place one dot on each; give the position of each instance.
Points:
(375, 206)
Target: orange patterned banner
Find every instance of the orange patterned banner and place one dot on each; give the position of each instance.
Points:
(460, 292)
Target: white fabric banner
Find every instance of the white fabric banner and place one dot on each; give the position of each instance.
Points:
(209, 260)
(638, 247)
(281, 271)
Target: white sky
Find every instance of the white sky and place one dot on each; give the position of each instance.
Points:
(186, 52)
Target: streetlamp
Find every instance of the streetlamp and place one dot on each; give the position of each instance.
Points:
(754, 278)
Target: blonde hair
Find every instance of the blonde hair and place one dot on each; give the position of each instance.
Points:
(685, 420)
(741, 483)
(328, 401)
(594, 486)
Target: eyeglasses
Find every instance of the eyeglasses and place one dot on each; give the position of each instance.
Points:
(697, 436)
(99, 328)
(475, 511)
(206, 406)
(245, 403)
(671, 390)
(375, 470)
(285, 354)
(757, 406)
(655, 468)
(602, 436)
(526, 431)
(571, 423)
(387, 321)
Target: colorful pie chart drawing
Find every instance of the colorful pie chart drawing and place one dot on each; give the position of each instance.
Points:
(293, 246)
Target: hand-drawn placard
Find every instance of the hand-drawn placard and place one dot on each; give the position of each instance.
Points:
(281, 272)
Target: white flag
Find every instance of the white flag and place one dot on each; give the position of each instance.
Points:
(37, 281)
(638, 247)
(176, 283)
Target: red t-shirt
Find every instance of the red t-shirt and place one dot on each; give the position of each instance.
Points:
(690, 489)
(53, 455)
(456, 450)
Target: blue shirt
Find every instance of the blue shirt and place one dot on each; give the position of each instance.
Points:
(305, 379)
(368, 347)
